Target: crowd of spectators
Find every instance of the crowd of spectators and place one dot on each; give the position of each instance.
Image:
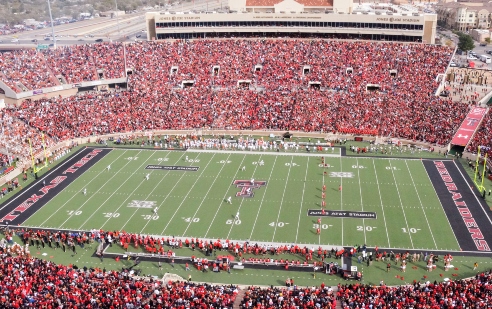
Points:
(17, 138)
(307, 85)
(25, 69)
(467, 293)
(31, 282)
(482, 138)
(322, 297)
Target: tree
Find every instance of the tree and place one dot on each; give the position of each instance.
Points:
(465, 42)
(487, 40)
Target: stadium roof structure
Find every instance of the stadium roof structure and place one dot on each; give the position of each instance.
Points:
(308, 3)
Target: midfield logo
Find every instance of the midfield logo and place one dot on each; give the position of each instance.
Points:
(247, 187)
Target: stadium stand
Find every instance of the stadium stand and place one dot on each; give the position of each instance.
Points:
(251, 84)
(26, 70)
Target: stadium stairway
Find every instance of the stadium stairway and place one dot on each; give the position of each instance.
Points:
(239, 298)
(338, 305)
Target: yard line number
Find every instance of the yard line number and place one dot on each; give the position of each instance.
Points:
(367, 228)
(191, 220)
(132, 158)
(74, 212)
(150, 217)
(111, 214)
(162, 159)
(278, 224)
(321, 226)
(235, 222)
(291, 164)
(410, 230)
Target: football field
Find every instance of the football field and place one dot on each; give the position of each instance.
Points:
(187, 191)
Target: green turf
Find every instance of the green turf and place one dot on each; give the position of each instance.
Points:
(192, 204)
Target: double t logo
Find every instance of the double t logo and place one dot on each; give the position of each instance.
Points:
(247, 187)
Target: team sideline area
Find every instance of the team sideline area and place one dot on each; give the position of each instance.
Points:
(252, 196)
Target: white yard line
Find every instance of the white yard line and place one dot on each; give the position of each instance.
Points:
(241, 204)
(168, 193)
(191, 189)
(306, 154)
(341, 194)
(224, 197)
(92, 195)
(361, 201)
(146, 198)
(205, 196)
(115, 191)
(442, 207)
(282, 201)
(73, 181)
(302, 200)
(262, 199)
(401, 203)
(382, 206)
(421, 205)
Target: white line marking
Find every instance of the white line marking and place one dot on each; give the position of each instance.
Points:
(421, 205)
(282, 201)
(77, 192)
(68, 160)
(169, 192)
(401, 204)
(382, 206)
(341, 194)
(302, 200)
(442, 207)
(478, 201)
(191, 189)
(361, 202)
(205, 196)
(155, 187)
(115, 191)
(224, 197)
(241, 204)
(263, 198)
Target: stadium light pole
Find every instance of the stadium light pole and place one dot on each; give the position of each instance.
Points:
(116, 12)
(52, 25)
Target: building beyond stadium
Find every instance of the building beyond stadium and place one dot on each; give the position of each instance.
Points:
(297, 18)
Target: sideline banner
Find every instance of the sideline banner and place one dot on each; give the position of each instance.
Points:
(468, 127)
(342, 214)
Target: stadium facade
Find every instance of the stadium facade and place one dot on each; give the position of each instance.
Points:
(297, 18)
